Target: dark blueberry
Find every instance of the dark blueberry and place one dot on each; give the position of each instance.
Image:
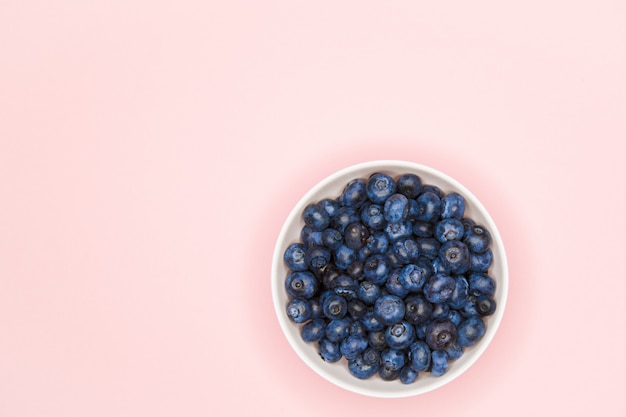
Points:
(377, 340)
(454, 352)
(344, 286)
(344, 217)
(449, 229)
(467, 223)
(317, 257)
(428, 247)
(357, 329)
(361, 369)
(313, 331)
(485, 306)
(344, 256)
(370, 321)
(396, 208)
(329, 351)
(440, 311)
(372, 216)
(356, 309)
(440, 334)
(452, 206)
(418, 310)
(377, 242)
(409, 184)
(310, 237)
(356, 235)
(400, 335)
(469, 309)
(419, 356)
(399, 230)
(413, 277)
(330, 274)
(368, 292)
(298, 310)
(355, 270)
(376, 268)
(330, 205)
(389, 309)
(439, 288)
(460, 293)
(480, 262)
(371, 355)
(429, 188)
(316, 217)
(455, 256)
(477, 238)
(455, 317)
(393, 358)
(429, 205)
(439, 363)
(380, 187)
(316, 308)
(353, 345)
(481, 284)
(407, 375)
(354, 194)
(331, 238)
(423, 229)
(338, 329)
(334, 306)
(470, 331)
(405, 251)
(393, 284)
(387, 374)
(440, 267)
(301, 284)
(294, 257)
(414, 210)
(420, 331)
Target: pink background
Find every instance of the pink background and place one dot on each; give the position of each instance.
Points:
(150, 152)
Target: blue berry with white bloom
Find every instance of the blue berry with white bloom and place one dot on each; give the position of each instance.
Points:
(294, 257)
(439, 362)
(380, 187)
(452, 206)
(396, 208)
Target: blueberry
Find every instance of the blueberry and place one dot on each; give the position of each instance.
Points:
(400, 335)
(413, 277)
(344, 217)
(460, 294)
(331, 238)
(419, 356)
(338, 329)
(469, 309)
(330, 205)
(480, 262)
(430, 188)
(357, 329)
(440, 334)
(371, 355)
(380, 187)
(317, 257)
(481, 284)
(439, 288)
(316, 217)
(352, 346)
(344, 286)
(294, 257)
(454, 352)
(485, 306)
(440, 311)
(316, 308)
(409, 184)
(298, 310)
(440, 267)
(310, 237)
(313, 331)
(449, 229)
(405, 251)
(455, 317)
(455, 256)
(470, 331)
(301, 284)
(355, 269)
(329, 351)
(389, 309)
(467, 223)
(396, 208)
(372, 216)
(377, 243)
(387, 374)
(376, 340)
(439, 363)
(354, 194)
(399, 230)
(368, 292)
(477, 238)
(414, 210)
(452, 206)
(407, 375)
(361, 369)
(344, 256)
(393, 358)
(335, 307)
(356, 235)
(429, 205)
(330, 274)
(428, 247)
(418, 310)
(370, 321)
(423, 229)
(376, 269)
(356, 309)
(393, 284)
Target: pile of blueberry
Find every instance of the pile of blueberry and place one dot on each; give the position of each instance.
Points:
(391, 276)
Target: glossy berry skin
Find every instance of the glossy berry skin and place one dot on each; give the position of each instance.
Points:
(418, 310)
(393, 284)
(316, 217)
(408, 375)
(440, 334)
(481, 284)
(400, 335)
(376, 340)
(355, 270)
(419, 356)
(298, 310)
(337, 330)
(357, 309)
(470, 331)
(413, 277)
(439, 288)
(449, 229)
(329, 351)
(455, 256)
(439, 363)
(404, 251)
(310, 237)
(380, 187)
(294, 257)
(428, 247)
(454, 352)
(317, 257)
(480, 262)
(330, 205)
(430, 188)
(344, 286)
(344, 217)
(429, 205)
(334, 307)
(393, 359)
(388, 374)
(331, 238)
(485, 306)
(477, 238)
(313, 331)
(389, 309)
(371, 323)
(354, 194)
(377, 243)
(376, 269)
(355, 235)
(452, 206)
(371, 355)
(460, 294)
(344, 256)
(440, 311)
(373, 217)
(352, 346)
(399, 230)
(409, 184)
(396, 208)
(301, 284)
(368, 292)
(423, 229)
(360, 369)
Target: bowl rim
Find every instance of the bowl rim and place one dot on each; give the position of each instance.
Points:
(359, 386)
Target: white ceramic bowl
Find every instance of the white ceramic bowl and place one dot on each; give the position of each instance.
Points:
(338, 373)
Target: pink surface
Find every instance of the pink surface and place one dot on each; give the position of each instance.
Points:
(150, 152)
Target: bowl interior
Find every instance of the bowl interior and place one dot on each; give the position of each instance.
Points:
(338, 373)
